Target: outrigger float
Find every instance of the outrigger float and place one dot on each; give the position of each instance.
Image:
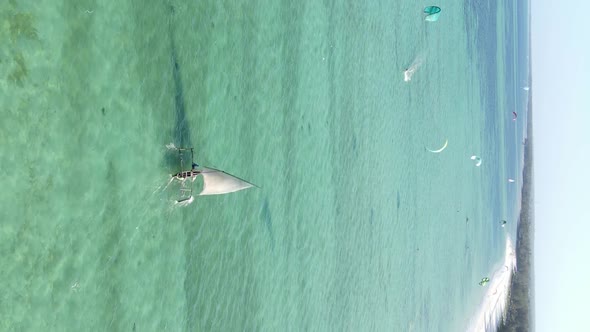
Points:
(215, 182)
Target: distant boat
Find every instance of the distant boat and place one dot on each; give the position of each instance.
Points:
(215, 181)
(526, 88)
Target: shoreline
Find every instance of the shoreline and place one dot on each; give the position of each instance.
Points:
(495, 301)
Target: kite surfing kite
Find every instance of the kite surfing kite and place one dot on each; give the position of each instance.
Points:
(439, 150)
(432, 13)
(514, 116)
(477, 160)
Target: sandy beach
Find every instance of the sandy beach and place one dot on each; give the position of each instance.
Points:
(494, 303)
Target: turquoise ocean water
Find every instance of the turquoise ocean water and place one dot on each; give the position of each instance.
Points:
(355, 226)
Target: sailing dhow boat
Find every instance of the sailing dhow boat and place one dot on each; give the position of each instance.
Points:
(215, 182)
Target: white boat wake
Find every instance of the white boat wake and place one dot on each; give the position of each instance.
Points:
(409, 72)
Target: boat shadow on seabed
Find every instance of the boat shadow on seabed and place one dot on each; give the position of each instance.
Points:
(215, 182)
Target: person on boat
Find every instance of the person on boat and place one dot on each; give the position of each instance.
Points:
(187, 174)
(182, 175)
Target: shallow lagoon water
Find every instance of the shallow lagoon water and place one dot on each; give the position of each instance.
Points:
(355, 226)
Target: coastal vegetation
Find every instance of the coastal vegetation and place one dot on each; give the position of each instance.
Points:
(519, 312)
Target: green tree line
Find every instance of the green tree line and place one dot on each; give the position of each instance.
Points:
(519, 315)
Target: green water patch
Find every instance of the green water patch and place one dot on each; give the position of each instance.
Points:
(19, 73)
(20, 31)
(22, 25)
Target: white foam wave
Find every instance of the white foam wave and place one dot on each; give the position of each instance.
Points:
(493, 307)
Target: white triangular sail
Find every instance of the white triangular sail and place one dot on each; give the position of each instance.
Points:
(216, 182)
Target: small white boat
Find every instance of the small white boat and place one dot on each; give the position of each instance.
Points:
(215, 182)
